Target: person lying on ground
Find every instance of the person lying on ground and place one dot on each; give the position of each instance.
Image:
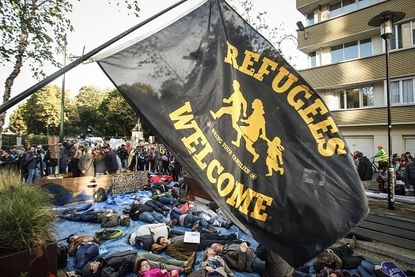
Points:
(138, 211)
(212, 265)
(197, 223)
(240, 256)
(84, 248)
(170, 197)
(146, 270)
(156, 205)
(213, 218)
(334, 260)
(148, 234)
(120, 263)
(106, 218)
(178, 249)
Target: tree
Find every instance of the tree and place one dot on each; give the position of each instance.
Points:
(17, 122)
(118, 118)
(42, 113)
(275, 34)
(86, 105)
(32, 33)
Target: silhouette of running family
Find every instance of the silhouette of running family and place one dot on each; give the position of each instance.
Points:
(251, 128)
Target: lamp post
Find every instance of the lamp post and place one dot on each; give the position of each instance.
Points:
(385, 21)
(62, 118)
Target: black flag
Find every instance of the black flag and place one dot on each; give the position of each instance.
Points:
(246, 126)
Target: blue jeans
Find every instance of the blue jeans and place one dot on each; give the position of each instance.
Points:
(258, 266)
(151, 217)
(189, 220)
(167, 201)
(85, 253)
(366, 269)
(31, 175)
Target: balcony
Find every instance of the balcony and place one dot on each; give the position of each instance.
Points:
(337, 30)
(401, 63)
(374, 116)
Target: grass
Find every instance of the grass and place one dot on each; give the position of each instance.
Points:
(26, 220)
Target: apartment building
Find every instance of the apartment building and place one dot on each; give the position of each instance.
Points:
(347, 64)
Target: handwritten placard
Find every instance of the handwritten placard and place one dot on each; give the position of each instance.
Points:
(129, 182)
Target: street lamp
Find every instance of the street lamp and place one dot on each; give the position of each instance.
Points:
(385, 21)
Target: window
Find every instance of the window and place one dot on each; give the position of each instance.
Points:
(356, 98)
(403, 91)
(350, 51)
(408, 91)
(313, 59)
(335, 9)
(310, 19)
(366, 48)
(368, 96)
(347, 6)
(396, 39)
(352, 98)
(413, 32)
(337, 54)
(395, 92)
(342, 100)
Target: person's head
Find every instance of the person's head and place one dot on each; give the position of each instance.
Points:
(380, 146)
(143, 265)
(358, 155)
(71, 238)
(32, 149)
(209, 252)
(324, 259)
(124, 220)
(218, 248)
(163, 241)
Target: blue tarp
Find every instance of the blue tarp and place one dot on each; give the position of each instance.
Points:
(117, 203)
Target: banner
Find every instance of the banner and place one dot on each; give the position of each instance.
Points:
(246, 126)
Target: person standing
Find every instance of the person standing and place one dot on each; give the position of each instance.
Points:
(364, 167)
(110, 159)
(381, 155)
(86, 163)
(30, 159)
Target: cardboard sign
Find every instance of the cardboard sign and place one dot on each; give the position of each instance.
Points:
(191, 237)
(129, 182)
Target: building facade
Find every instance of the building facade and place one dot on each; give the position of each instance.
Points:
(347, 64)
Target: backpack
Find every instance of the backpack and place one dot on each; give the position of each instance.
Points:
(100, 195)
(144, 241)
(62, 256)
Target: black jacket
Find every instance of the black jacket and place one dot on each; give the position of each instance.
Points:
(136, 209)
(365, 169)
(115, 265)
(111, 161)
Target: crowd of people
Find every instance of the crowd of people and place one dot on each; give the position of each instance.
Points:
(88, 160)
(403, 166)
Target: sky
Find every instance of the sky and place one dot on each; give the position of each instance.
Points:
(96, 21)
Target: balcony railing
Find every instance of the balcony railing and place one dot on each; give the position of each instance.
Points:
(374, 116)
(401, 63)
(354, 23)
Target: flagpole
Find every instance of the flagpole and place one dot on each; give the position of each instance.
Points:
(13, 101)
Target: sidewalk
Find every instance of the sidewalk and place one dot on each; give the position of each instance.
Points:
(380, 251)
